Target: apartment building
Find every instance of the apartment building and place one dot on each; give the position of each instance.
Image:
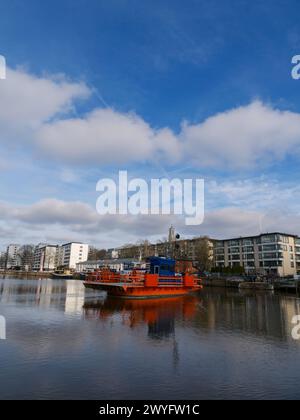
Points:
(270, 253)
(12, 257)
(72, 253)
(44, 258)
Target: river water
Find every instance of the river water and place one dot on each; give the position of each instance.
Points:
(65, 342)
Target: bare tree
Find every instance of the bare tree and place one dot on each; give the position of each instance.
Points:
(163, 247)
(202, 254)
(25, 257)
(96, 254)
(144, 247)
(3, 260)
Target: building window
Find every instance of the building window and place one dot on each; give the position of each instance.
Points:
(248, 249)
(234, 243)
(268, 239)
(234, 250)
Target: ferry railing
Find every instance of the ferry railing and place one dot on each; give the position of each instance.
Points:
(136, 279)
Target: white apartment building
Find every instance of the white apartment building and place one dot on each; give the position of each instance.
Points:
(45, 257)
(12, 259)
(270, 253)
(72, 253)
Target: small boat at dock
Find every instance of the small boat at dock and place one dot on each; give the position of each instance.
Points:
(62, 274)
(158, 280)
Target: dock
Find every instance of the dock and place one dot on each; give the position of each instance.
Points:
(256, 286)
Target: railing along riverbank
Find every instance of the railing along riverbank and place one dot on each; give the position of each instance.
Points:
(279, 284)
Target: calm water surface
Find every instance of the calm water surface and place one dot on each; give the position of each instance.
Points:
(67, 342)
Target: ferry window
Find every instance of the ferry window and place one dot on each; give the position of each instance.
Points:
(156, 269)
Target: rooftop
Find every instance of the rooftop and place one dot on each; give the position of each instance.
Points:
(258, 236)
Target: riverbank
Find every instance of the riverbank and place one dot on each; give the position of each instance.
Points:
(286, 285)
(33, 274)
(24, 274)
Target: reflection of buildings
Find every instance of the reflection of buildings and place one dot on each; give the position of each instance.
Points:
(67, 296)
(74, 297)
(262, 314)
(289, 307)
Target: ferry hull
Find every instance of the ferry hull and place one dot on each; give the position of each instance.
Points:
(129, 292)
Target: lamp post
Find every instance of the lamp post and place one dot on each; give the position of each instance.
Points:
(176, 246)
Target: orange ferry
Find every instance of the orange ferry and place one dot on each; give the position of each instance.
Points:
(159, 280)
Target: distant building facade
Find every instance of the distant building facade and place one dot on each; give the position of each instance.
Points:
(192, 249)
(44, 258)
(72, 253)
(271, 253)
(113, 264)
(12, 257)
(112, 253)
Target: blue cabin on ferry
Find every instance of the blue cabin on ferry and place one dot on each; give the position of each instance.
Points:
(162, 266)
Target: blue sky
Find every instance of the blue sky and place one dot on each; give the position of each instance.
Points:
(198, 88)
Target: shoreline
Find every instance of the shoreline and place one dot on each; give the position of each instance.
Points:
(23, 274)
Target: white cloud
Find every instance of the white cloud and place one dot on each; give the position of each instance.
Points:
(57, 221)
(105, 136)
(242, 137)
(26, 101)
(254, 193)
(51, 211)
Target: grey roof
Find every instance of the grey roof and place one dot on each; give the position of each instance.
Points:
(110, 261)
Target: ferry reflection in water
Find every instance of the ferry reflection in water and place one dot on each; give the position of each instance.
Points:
(158, 314)
(263, 314)
(76, 343)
